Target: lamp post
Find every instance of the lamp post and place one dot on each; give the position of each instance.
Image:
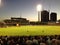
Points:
(39, 9)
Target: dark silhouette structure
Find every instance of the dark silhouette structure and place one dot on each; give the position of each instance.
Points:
(16, 21)
(44, 16)
(53, 17)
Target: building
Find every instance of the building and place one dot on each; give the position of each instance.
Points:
(16, 21)
(53, 17)
(44, 16)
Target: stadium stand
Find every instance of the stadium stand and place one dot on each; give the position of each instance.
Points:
(30, 40)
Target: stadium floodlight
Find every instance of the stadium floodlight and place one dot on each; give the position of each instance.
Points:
(39, 7)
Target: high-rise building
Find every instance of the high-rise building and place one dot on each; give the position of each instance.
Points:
(44, 16)
(53, 17)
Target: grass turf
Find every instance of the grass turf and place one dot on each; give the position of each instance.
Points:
(30, 30)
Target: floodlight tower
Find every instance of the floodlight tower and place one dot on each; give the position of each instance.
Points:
(39, 9)
(0, 2)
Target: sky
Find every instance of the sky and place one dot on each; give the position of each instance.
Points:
(27, 8)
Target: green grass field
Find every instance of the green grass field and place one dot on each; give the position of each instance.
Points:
(30, 30)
